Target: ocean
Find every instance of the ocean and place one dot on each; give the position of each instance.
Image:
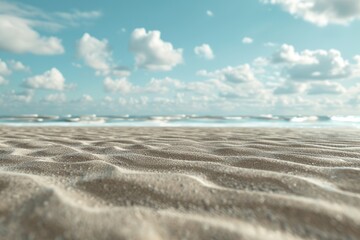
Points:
(183, 121)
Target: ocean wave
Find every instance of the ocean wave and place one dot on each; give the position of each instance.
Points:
(305, 119)
(184, 120)
(353, 119)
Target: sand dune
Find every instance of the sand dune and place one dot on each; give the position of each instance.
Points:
(179, 183)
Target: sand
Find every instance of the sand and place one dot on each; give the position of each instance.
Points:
(179, 183)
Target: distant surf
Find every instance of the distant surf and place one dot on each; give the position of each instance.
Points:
(182, 120)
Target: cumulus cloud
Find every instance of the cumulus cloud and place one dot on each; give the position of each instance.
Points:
(117, 85)
(321, 12)
(35, 17)
(22, 97)
(154, 86)
(120, 72)
(96, 54)
(355, 68)
(133, 102)
(18, 36)
(20, 26)
(239, 74)
(247, 40)
(260, 62)
(84, 99)
(207, 87)
(163, 85)
(4, 69)
(55, 98)
(325, 87)
(287, 54)
(152, 53)
(311, 65)
(204, 51)
(237, 82)
(52, 79)
(3, 81)
(290, 88)
(18, 66)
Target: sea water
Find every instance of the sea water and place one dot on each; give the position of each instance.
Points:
(183, 121)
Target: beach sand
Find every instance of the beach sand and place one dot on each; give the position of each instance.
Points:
(179, 183)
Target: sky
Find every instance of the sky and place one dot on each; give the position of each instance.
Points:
(205, 57)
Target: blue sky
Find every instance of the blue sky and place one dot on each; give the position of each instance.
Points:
(165, 57)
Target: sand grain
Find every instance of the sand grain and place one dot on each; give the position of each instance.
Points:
(179, 183)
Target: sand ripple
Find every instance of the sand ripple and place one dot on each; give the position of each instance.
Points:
(179, 183)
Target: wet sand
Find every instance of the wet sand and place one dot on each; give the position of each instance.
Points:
(179, 183)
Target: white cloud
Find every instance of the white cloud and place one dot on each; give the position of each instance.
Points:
(311, 65)
(325, 87)
(18, 36)
(209, 13)
(122, 101)
(133, 102)
(237, 82)
(108, 99)
(120, 72)
(355, 101)
(86, 98)
(3, 81)
(52, 79)
(18, 66)
(18, 9)
(239, 74)
(355, 68)
(270, 44)
(154, 86)
(23, 97)
(49, 20)
(77, 65)
(321, 12)
(247, 40)
(55, 98)
(163, 85)
(160, 86)
(20, 24)
(207, 87)
(94, 52)
(117, 85)
(260, 62)
(83, 100)
(204, 51)
(152, 53)
(290, 87)
(4, 69)
(77, 15)
(287, 54)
